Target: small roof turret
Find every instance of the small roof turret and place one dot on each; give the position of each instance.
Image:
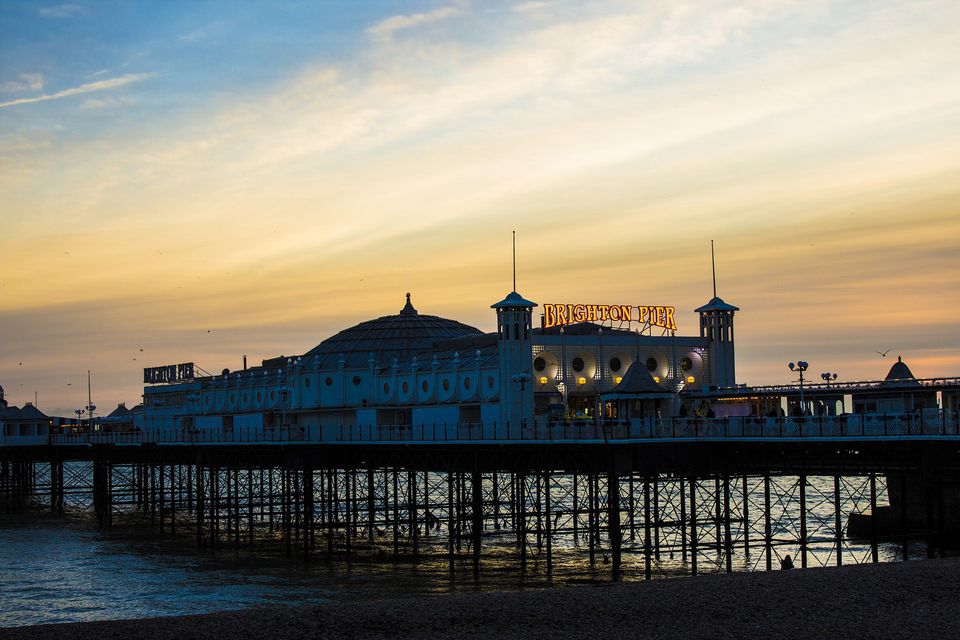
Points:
(513, 299)
(900, 372)
(637, 383)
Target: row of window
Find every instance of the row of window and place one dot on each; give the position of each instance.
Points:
(577, 364)
(445, 384)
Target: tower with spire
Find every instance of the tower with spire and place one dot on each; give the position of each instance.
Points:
(515, 350)
(716, 325)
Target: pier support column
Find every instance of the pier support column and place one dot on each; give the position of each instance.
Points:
(693, 525)
(477, 486)
(307, 509)
(613, 522)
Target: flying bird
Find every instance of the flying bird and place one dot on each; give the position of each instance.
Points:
(883, 354)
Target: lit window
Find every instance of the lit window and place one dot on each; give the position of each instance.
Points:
(581, 380)
(691, 379)
(543, 379)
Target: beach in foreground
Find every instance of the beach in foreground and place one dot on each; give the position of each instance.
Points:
(897, 600)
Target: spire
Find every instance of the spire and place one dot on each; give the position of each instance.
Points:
(514, 261)
(713, 269)
(408, 309)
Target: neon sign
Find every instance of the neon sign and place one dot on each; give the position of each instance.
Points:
(168, 373)
(555, 315)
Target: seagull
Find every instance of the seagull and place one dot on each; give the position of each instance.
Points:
(883, 354)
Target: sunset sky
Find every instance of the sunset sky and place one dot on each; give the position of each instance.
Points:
(194, 181)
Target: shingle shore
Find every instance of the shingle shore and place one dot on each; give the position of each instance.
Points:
(917, 599)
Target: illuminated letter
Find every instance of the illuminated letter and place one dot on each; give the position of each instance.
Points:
(579, 313)
(643, 314)
(661, 317)
(603, 312)
(671, 323)
(561, 314)
(549, 316)
(591, 313)
(625, 314)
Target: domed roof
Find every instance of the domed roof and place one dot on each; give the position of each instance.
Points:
(400, 336)
(716, 304)
(900, 372)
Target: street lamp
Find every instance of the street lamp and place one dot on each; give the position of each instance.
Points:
(800, 366)
(828, 377)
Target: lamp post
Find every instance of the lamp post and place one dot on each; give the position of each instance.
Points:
(828, 377)
(800, 366)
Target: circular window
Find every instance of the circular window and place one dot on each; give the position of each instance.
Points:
(615, 364)
(539, 363)
(306, 383)
(578, 364)
(386, 387)
(356, 381)
(686, 364)
(446, 385)
(259, 397)
(425, 386)
(405, 387)
(328, 381)
(467, 383)
(652, 364)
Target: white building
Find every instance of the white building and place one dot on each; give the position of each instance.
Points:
(421, 372)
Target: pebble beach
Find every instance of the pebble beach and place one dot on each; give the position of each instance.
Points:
(914, 599)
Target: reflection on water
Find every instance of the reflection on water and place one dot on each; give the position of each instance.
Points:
(57, 570)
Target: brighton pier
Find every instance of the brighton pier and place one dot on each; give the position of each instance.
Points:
(421, 437)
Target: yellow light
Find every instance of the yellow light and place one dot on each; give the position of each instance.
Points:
(618, 379)
(691, 379)
(656, 379)
(543, 379)
(581, 380)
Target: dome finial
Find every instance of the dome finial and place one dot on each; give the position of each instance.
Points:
(408, 309)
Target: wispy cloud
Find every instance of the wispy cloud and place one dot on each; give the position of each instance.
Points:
(533, 5)
(389, 26)
(27, 82)
(100, 85)
(62, 11)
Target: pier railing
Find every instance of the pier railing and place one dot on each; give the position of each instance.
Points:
(936, 423)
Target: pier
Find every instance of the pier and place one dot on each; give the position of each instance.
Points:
(658, 497)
